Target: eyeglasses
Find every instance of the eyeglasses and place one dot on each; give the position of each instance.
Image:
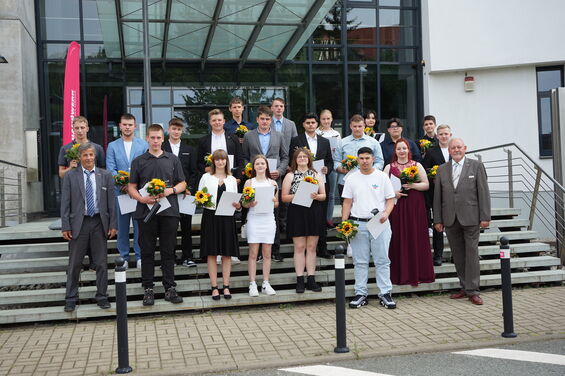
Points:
(394, 127)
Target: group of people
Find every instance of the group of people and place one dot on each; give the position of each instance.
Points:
(238, 155)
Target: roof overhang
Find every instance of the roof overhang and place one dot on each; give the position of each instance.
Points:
(237, 31)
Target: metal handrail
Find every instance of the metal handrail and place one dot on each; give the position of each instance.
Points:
(9, 188)
(12, 164)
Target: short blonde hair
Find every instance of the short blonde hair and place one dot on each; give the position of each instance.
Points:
(215, 111)
(443, 126)
(80, 119)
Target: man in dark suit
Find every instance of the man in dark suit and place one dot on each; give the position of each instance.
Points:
(187, 158)
(462, 208)
(436, 156)
(88, 218)
(264, 140)
(218, 138)
(321, 149)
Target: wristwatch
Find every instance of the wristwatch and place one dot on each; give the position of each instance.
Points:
(174, 190)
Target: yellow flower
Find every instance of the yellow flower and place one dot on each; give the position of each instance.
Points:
(248, 191)
(201, 197)
(121, 172)
(76, 146)
(351, 157)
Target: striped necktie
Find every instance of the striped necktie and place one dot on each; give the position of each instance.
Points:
(90, 205)
(456, 173)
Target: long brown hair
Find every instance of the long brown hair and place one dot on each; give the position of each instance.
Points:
(297, 151)
(220, 154)
(405, 141)
(267, 171)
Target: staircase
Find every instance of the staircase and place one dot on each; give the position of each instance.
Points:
(33, 262)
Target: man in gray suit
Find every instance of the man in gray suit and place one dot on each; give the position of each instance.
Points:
(88, 219)
(462, 208)
(264, 140)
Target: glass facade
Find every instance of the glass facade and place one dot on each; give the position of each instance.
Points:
(547, 78)
(364, 55)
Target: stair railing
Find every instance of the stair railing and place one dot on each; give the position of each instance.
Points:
(11, 192)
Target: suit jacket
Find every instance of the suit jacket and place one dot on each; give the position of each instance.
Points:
(234, 148)
(469, 202)
(116, 158)
(187, 158)
(288, 130)
(433, 157)
(323, 151)
(252, 147)
(73, 200)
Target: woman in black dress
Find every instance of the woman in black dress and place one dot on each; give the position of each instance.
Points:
(218, 236)
(303, 224)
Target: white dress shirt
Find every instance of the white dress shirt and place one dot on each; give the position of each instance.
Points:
(218, 142)
(127, 147)
(175, 148)
(93, 181)
(312, 143)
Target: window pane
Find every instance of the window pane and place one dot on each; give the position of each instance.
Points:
(400, 55)
(327, 81)
(161, 115)
(91, 22)
(399, 96)
(362, 54)
(161, 96)
(362, 88)
(362, 24)
(326, 54)
(545, 125)
(94, 51)
(549, 79)
(56, 51)
(397, 17)
(60, 20)
(329, 30)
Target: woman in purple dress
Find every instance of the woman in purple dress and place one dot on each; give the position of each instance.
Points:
(410, 252)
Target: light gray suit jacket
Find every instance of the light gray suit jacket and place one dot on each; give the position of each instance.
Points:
(277, 149)
(73, 204)
(469, 202)
(288, 130)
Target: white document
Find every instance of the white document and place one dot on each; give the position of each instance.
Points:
(318, 167)
(333, 143)
(303, 194)
(231, 160)
(225, 207)
(127, 204)
(272, 164)
(165, 204)
(264, 198)
(375, 226)
(187, 205)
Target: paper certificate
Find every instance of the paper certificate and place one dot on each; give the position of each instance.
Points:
(225, 207)
(318, 167)
(303, 195)
(333, 143)
(375, 227)
(231, 160)
(272, 164)
(264, 198)
(127, 204)
(187, 205)
(165, 204)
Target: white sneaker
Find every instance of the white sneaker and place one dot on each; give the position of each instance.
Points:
(267, 289)
(139, 264)
(253, 289)
(430, 233)
(235, 260)
(219, 260)
(126, 265)
(349, 251)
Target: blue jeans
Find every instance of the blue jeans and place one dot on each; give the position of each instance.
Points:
(123, 234)
(332, 182)
(364, 246)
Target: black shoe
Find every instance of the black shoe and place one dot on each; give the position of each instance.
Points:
(70, 306)
(148, 297)
(359, 301)
(228, 295)
(312, 285)
(282, 229)
(386, 301)
(300, 288)
(104, 304)
(277, 257)
(437, 261)
(215, 297)
(172, 296)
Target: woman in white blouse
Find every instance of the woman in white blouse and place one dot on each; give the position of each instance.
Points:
(218, 236)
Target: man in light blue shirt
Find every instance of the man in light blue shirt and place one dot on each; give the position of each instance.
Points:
(351, 144)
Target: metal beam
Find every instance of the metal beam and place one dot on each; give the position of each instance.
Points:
(211, 32)
(255, 33)
(166, 31)
(120, 31)
(299, 31)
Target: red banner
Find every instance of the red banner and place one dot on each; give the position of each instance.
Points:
(71, 96)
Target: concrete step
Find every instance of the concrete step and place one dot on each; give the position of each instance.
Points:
(242, 299)
(201, 284)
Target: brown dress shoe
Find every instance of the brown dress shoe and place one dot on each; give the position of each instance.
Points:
(476, 299)
(458, 295)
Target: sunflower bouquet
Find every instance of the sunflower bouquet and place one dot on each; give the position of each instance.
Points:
(208, 160)
(203, 199)
(349, 163)
(122, 178)
(241, 130)
(425, 144)
(155, 187)
(72, 153)
(247, 170)
(311, 180)
(432, 172)
(369, 131)
(409, 175)
(248, 195)
(346, 230)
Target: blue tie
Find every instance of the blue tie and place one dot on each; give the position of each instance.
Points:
(278, 125)
(90, 207)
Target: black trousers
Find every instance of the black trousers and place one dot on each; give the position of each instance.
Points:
(437, 240)
(164, 228)
(93, 237)
(186, 236)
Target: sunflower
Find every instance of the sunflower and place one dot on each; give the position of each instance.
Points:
(208, 160)
(203, 199)
(156, 187)
(309, 179)
(248, 190)
(369, 131)
(247, 170)
(122, 172)
(346, 230)
(248, 195)
(241, 131)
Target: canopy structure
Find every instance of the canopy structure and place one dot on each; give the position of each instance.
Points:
(236, 31)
